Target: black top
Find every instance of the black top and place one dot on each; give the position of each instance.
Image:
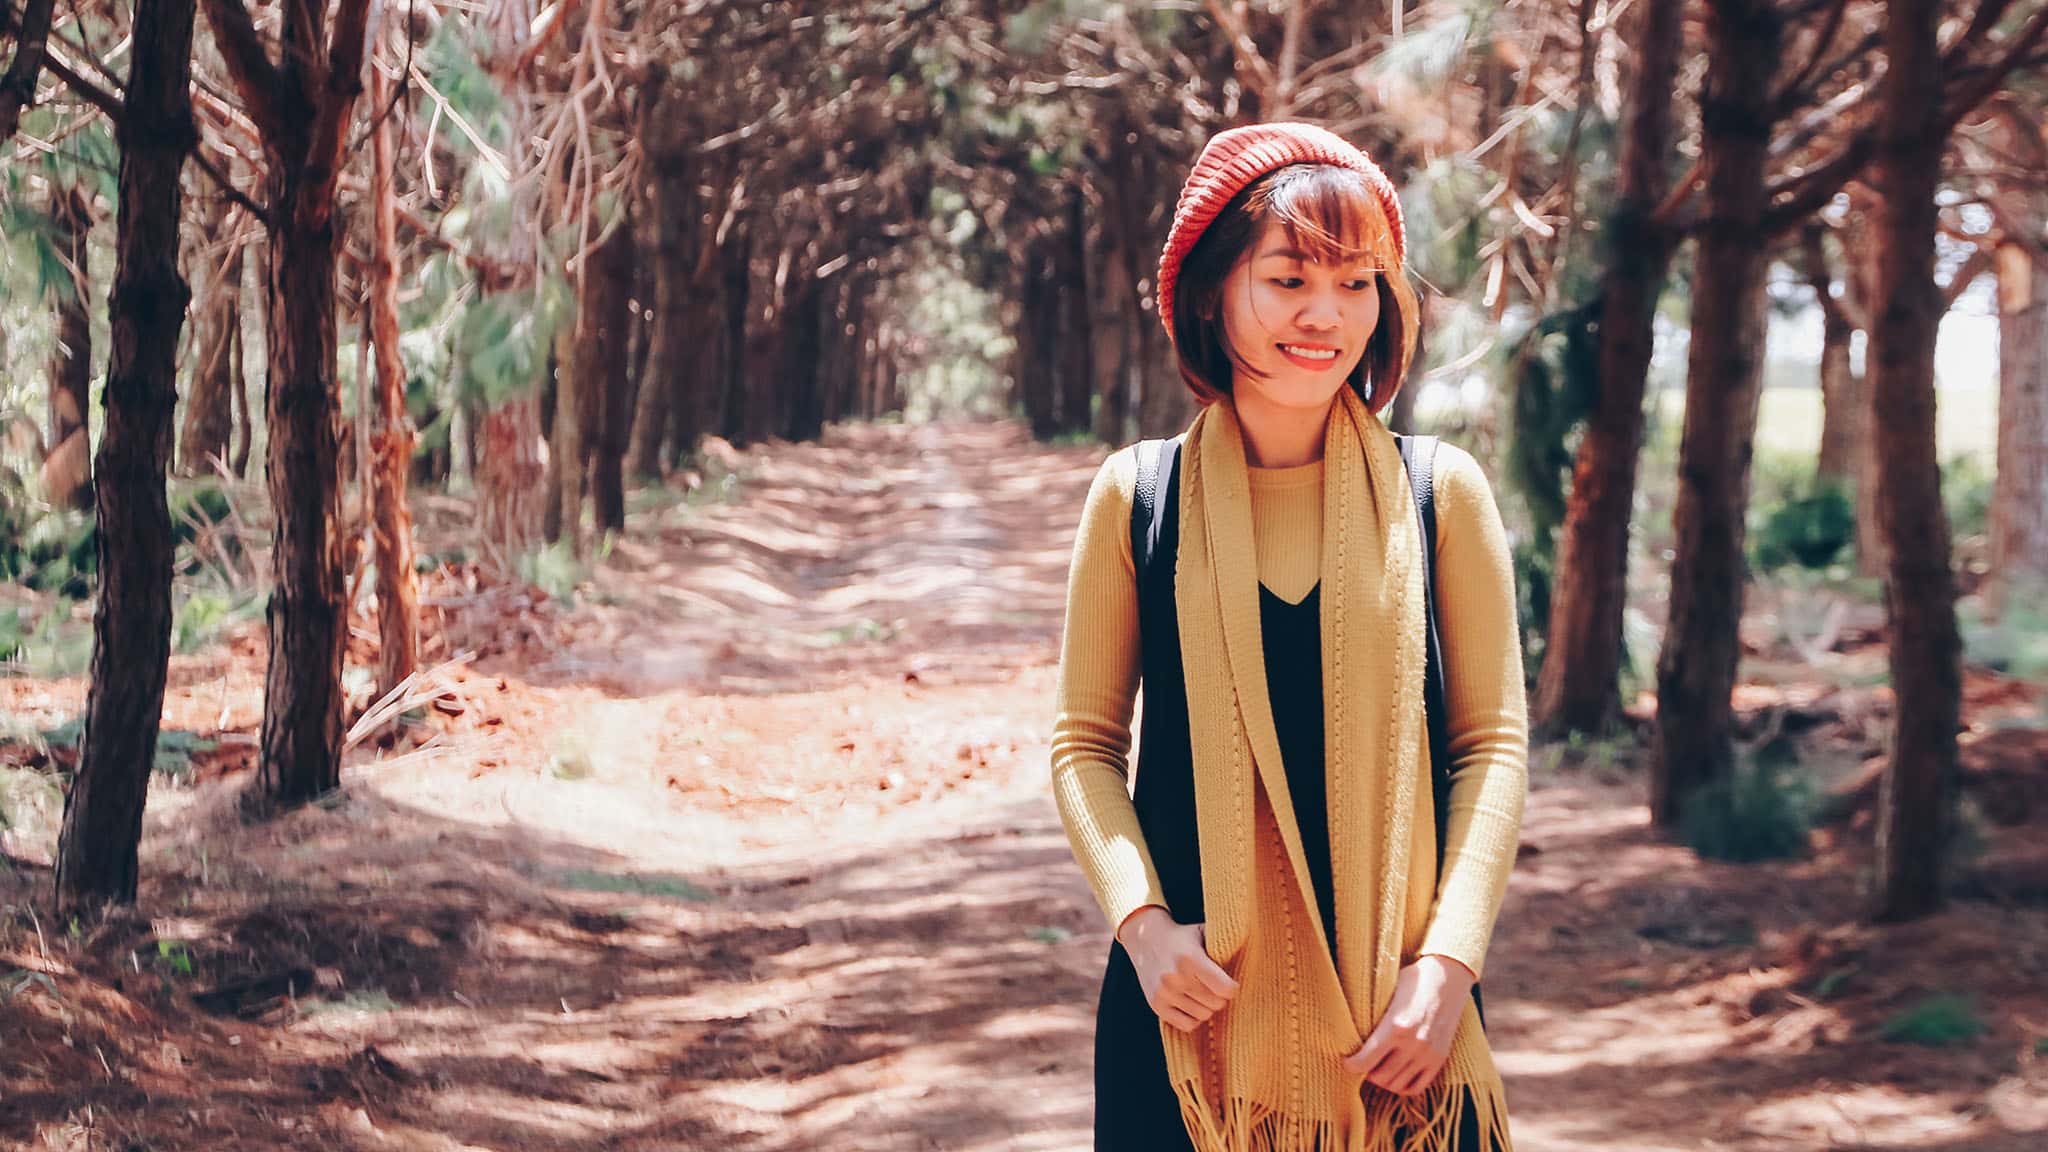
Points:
(1293, 645)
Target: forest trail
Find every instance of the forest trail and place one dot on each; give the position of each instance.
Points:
(751, 849)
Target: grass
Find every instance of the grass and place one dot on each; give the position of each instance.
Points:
(1937, 1021)
(664, 885)
(1789, 419)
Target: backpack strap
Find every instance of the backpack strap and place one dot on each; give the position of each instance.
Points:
(1154, 502)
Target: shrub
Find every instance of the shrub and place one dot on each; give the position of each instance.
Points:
(1763, 810)
(1935, 1022)
(1810, 529)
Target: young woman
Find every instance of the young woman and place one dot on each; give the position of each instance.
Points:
(1291, 969)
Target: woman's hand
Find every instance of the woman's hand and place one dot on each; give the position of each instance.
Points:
(1408, 1048)
(1183, 986)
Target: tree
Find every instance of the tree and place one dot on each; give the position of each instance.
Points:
(1926, 651)
(301, 107)
(67, 474)
(1578, 686)
(96, 851)
(391, 442)
(1696, 668)
(217, 382)
(2019, 499)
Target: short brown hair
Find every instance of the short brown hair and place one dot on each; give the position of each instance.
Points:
(1330, 213)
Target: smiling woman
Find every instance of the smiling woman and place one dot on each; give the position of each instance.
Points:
(1303, 256)
(1290, 973)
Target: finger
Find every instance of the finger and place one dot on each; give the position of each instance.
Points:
(1175, 1018)
(1391, 1074)
(1212, 975)
(1199, 993)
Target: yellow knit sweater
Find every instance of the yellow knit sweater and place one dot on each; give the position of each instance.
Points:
(1099, 672)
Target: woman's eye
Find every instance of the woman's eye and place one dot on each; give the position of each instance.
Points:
(1288, 281)
(1359, 285)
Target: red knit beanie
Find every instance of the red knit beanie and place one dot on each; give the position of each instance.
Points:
(1233, 159)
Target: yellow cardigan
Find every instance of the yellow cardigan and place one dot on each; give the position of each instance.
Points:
(1099, 672)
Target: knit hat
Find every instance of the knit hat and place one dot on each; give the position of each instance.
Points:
(1232, 160)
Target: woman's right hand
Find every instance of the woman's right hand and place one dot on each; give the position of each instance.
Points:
(1183, 986)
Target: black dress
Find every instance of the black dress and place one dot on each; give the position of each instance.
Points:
(1135, 1106)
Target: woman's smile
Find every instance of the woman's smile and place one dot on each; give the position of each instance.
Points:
(1314, 357)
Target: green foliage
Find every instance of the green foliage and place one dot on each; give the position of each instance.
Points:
(1936, 1021)
(202, 615)
(174, 956)
(630, 883)
(502, 348)
(51, 646)
(1812, 529)
(1966, 484)
(1763, 810)
(552, 568)
(2016, 643)
(1553, 374)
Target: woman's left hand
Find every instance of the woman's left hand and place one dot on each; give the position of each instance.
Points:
(1413, 1040)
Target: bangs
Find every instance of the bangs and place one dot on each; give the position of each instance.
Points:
(1330, 214)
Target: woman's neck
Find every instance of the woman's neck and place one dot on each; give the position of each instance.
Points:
(1276, 437)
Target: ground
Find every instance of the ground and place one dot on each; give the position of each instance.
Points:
(750, 847)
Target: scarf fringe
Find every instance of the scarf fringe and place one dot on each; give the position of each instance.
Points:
(1428, 1121)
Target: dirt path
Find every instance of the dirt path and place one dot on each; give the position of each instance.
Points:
(753, 851)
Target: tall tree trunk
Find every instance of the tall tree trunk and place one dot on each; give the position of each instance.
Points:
(736, 277)
(671, 200)
(217, 332)
(1037, 355)
(603, 362)
(1839, 385)
(1076, 346)
(96, 851)
(1926, 651)
(1113, 338)
(1695, 741)
(802, 343)
(2019, 498)
(302, 689)
(67, 472)
(561, 406)
(245, 425)
(1578, 687)
(392, 443)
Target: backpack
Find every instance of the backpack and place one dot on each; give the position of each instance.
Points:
(1155, 512)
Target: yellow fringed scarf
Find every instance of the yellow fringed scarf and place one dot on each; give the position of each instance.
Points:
(1266, 1072)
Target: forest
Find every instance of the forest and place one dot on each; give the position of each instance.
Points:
(534, 537)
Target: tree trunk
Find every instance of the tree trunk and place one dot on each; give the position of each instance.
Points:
(245, 425)
(67, 471)
(96, 851)
(217, 332)
(1695, 741)
(1840, 387)
(671, 201)
(1579, 686)
(736, 277)
(2019, 499)
(802, 344)
(1076, 347)
(1113, 339)
(392, 443)
(603, 359)
(1926, 652)
(568, 454)
(1037, 357)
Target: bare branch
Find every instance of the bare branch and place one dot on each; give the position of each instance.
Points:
(1979, 87)
(18, 87)
(255, 77)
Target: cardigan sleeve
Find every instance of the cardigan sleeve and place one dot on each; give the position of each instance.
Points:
(1098, 684)
(1488, 717)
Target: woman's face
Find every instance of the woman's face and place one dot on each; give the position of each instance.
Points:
(1302, 324)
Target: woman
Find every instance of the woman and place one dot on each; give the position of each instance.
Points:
(1290, 969)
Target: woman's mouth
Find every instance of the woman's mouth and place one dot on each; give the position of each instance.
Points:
(1310, 356)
